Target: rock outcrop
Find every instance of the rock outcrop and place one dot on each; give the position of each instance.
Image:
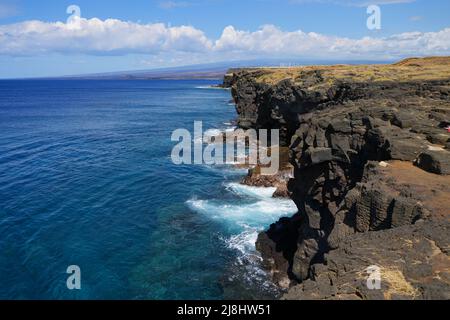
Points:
(371, 157)
(279, 180)
(413, 262)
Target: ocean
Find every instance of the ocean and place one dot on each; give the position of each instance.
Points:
(86, 179)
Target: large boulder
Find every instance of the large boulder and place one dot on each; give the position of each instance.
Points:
(434, 161)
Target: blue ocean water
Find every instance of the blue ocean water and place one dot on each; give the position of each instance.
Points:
(86, 179)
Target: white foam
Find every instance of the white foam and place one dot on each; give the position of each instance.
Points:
(208, 135)
(255, 192)
(227, 170)
(251, 213)
(259, 214)
(211, 88)
(231, 129)
(198, 140)
(244, 244)
(213, 132)
(247, 266)
(250, 259)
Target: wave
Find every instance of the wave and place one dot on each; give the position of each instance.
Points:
(231, 128)
(207, 135)
(244, 221)
(244, 244)
(209, 87)
(255, 192)
(256, 214)
(253, 210)
(212, 133)
(247, 268)
(227, 170)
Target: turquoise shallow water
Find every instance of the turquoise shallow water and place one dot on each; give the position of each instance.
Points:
(86, 179)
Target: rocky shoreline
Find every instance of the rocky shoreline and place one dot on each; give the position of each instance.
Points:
(370, 155)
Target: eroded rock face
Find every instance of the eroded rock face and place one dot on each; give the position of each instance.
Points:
(352, 145)
(279, 181)
(413, 260)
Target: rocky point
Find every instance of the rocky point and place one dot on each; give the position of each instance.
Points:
(370, 155)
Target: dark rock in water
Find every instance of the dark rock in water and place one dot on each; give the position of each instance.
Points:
(353, 140)
(279, 242)
(282, 191)
(279, 181)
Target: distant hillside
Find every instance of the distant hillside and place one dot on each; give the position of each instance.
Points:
(173, 74)
(212, 71)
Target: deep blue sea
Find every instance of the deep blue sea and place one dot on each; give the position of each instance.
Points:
(86, 179)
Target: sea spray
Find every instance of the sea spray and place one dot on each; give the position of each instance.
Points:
(251, 211)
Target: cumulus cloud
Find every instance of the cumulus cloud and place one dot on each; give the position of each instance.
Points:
(116, 37)
(272, 40)
(97, 36)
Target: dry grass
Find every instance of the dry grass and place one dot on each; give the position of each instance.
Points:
(412, 69)
(398, 285)
(393, 283)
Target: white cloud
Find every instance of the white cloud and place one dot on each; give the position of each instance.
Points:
(116, 37)
(97, 36)
(270, 40)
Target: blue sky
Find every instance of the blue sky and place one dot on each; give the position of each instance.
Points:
(217, 30)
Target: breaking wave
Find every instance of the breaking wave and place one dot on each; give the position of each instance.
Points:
(252, 210)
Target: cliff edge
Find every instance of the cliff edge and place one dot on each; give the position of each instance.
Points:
(371, 154)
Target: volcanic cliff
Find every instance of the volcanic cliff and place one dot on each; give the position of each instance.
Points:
(371, 154)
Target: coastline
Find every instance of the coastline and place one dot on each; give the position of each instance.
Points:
(358, 137)
(265, 199)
